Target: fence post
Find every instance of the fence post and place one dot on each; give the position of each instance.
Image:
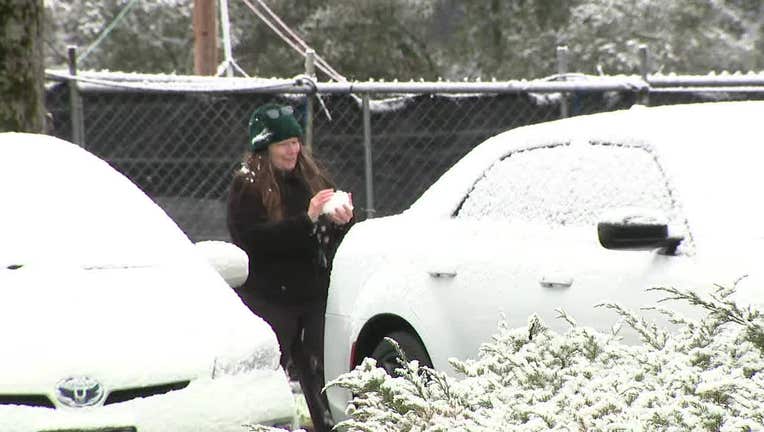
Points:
(367, 157)
(562, 69)
(75, 102)
(644, 69)
(310, 70)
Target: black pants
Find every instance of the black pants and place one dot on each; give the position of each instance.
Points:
(300, 331)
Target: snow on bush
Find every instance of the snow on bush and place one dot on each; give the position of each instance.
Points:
(708, 375)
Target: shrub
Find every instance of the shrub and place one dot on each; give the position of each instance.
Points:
(706, 375)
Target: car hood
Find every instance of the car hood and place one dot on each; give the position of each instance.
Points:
(119, 324)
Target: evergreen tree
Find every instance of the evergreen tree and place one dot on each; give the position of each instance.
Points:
(257, 49)
(150, 37)
(412, 39)
(384, 39)
(682, 37)
(504, 40)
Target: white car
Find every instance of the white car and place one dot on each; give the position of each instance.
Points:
(112, 319)
(566, 214)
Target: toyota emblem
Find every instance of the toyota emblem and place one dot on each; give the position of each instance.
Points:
(79, 391)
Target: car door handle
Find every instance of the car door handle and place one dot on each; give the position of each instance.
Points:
(556, 282)
(442, 274)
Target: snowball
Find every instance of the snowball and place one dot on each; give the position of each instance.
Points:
(338, 199)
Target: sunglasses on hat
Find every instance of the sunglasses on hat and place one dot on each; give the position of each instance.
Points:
(275, 113)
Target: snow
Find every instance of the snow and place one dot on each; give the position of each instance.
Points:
(523, 188)
(630, 215)
(230, 261)
(95, 80)
(96, 209)
(339, 198)
(394, 104)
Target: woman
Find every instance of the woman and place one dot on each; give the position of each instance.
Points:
(275, 214)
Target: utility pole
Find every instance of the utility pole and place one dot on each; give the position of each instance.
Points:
(205, 37)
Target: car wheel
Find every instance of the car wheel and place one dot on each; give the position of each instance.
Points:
(387, 358)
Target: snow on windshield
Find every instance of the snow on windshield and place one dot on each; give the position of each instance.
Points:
(62, 203)
(568, 185)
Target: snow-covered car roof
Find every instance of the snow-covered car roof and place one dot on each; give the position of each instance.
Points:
(67, 213)
(709, 149)
(106, 217)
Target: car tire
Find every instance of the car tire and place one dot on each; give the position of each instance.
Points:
(387, 358)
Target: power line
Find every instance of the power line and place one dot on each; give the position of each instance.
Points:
(291, 38)
(107, 30)
(302, 42)
(272, 20)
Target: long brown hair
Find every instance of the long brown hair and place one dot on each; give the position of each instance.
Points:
(263, 178)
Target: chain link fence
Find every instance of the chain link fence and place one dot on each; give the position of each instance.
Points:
(181, 138)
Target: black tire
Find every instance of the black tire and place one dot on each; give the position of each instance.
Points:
(387, 358)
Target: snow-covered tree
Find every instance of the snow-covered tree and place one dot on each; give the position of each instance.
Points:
(140, 36)
(411, 39)
(505, 40)
(375, 38)
(258, 49)
(682, 37)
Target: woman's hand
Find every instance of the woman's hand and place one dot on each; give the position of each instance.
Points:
(317, 203)
(344, 213)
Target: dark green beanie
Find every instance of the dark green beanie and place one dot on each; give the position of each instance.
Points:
(264, 129)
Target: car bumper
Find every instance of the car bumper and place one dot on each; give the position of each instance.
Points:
(222, 404)
(339, 341)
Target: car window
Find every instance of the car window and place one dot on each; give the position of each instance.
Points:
(570, 184)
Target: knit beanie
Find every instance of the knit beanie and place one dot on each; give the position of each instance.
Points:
(272, 123)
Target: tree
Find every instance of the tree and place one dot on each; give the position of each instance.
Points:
(411, 39)
(682, 38)
(258, 49)
(141, 36)
(375, 38)
(504, 40)
(21, 66)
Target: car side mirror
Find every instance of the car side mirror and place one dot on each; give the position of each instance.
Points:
(228, 259)
(631, 229)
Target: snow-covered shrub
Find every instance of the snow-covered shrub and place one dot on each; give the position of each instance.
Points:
(705, 375)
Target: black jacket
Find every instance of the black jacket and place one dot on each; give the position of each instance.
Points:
(289, 260)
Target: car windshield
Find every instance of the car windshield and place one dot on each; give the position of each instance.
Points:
(62, 204)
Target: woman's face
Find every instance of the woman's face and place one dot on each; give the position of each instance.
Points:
(284, 154)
